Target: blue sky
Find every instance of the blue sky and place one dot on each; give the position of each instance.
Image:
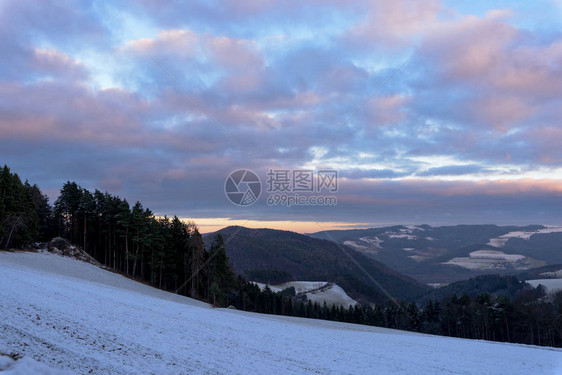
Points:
(440, 112)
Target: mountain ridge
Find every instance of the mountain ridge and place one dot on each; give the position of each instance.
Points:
(260, 253)
(452, 253)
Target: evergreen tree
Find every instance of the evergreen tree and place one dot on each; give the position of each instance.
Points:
(18, 211)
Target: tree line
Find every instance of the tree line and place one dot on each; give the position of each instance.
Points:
(531, 317)
(25, 213)
(170, 254)
(166, 252)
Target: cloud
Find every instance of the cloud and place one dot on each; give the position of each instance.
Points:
(180, 43)
(396, 23)
(454, 170)
(502, 75)
(469, 125)
(57, 65)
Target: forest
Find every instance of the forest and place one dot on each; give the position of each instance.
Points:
(170, 254)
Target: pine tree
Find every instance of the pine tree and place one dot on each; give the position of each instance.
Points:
(197, 252)
(66, 210)
(86, 210)
(124, 220)
(18, 211)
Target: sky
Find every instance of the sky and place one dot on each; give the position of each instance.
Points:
(437, 112)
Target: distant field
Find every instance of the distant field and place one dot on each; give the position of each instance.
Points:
(552, 285)
(334, 295)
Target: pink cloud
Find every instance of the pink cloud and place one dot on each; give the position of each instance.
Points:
(234, 53)
(228, 52)
(53, 62)
(417, 189)
(177, 42)
(509, 75)
(387, 110)
(469, 48)
(51, 110)
(396, 23)
(500, 112)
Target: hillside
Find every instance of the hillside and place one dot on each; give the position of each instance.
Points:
(75, 316)
(316, 291)
(498, 285)
(452, 253)
(549, 276)
(274, 256)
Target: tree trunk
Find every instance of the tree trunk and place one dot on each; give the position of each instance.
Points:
(9, 237)
(84, 247)
(160, 274)
(135, 261)
(127, 251)
(17, 223)
(114, 254)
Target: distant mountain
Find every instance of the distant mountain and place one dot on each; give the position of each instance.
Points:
(451, 253)
(274, 256)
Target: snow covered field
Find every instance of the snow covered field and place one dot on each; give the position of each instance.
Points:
(524, 235)
(72, 315)
(489, 260)
(554, 274)
(552, 285)
(316, 291)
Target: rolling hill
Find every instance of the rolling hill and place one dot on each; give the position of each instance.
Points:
(435, 255)
(274, 256)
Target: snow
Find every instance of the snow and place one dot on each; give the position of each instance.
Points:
(300, 286)
(554, 274)
(415, 227)
(498, 242)
(303, 286)
(371, 244)
(552, 285)
(331, 294)
(493, 254)
(524, 235)
(335, 295)
(494, 260)
(12, 363)
(71, 315)
(418, 258)
(403, 235)
(27, 366)
(437, 285)
(374, 241)
(355, 245)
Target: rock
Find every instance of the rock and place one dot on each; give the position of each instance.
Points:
(60, 244)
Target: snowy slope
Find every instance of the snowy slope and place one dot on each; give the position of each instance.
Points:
(552, 285)
(72, 315)
(25, 365)
(524, 235)
(332, 294)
